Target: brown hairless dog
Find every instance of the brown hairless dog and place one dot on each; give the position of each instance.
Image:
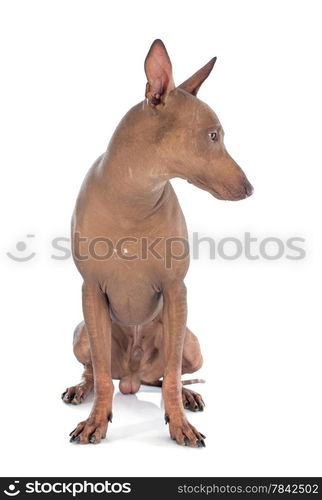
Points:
(134, 300)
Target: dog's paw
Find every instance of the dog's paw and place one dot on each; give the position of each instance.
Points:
(92, 430)
(192, 400)
(76, 394)
(184, 433)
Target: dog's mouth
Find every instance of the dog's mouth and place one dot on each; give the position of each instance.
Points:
(203, 185)
(226, 194)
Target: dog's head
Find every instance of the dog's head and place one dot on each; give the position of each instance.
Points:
(189, 134)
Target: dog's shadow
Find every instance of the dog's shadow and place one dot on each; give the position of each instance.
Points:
(134, 416)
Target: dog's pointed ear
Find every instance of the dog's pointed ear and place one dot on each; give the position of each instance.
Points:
(158, 70)
(193, 84)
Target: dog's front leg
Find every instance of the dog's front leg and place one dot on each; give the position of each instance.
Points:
(98, 323)
(174, 328)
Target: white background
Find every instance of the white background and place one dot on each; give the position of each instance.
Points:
(69, 71)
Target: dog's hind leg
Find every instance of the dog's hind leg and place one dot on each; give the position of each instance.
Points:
(191, 400)
(77, 393)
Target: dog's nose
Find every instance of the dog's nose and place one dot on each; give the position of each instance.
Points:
(248, 188)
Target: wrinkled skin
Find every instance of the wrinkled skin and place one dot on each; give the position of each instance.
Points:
(135, 307)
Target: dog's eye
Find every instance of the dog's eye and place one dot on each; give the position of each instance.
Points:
(213, 136)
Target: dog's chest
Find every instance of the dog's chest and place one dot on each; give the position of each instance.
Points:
(133, 298)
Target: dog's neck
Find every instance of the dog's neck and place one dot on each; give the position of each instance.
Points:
(133, 179)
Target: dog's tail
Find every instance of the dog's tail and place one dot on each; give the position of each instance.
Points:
(158, 383)
(193, 381)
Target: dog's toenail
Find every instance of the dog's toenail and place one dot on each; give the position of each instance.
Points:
(166, 419)
(92, 439)
(110, 417)
(202, 435)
